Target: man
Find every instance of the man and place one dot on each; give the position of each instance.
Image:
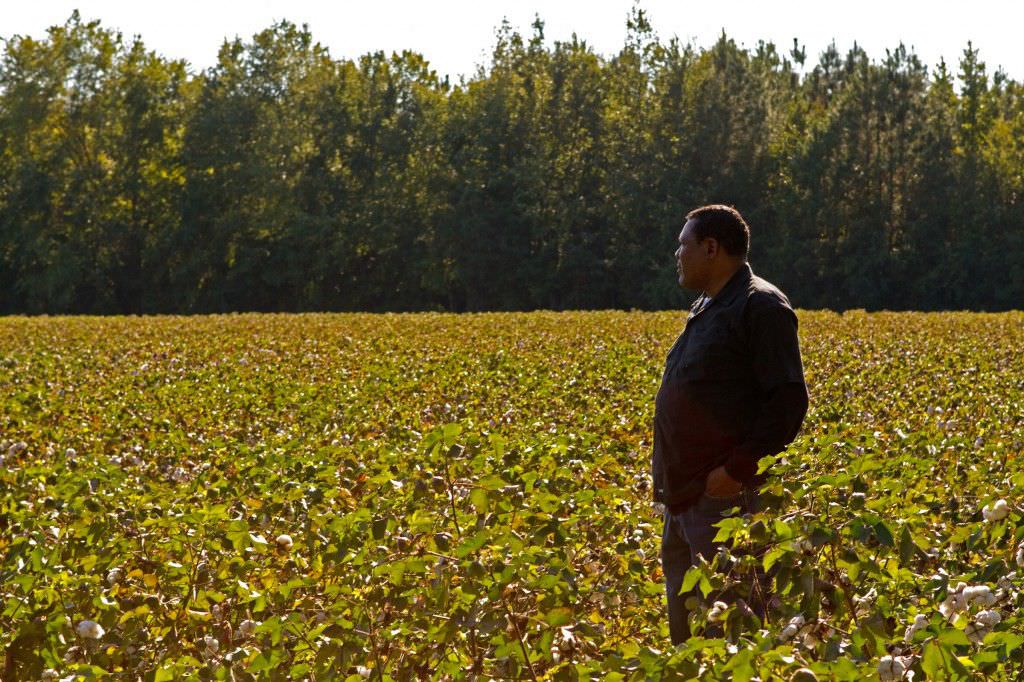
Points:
(733, 391)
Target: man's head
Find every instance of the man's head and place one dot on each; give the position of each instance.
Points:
(712, 244)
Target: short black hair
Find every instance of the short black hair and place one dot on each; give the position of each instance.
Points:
(725, 224)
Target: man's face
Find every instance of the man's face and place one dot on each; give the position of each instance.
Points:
(691, 259)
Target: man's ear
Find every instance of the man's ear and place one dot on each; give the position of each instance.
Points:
(711, 247)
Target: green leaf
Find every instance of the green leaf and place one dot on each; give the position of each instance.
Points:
(953, 637)
(932, 662)
(472, 544)
(740, 665)
(883, 534)
(165, 674)
(773, 555)
(478, 497)
(693, 576)
(1009, 641)
(559, 616)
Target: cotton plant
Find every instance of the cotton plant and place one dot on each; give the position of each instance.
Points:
(891, 668)
(920, 623)
(796, 625)
(90, 629)
(963, 597)
(247, 627)
(997, 512)
(984, 622)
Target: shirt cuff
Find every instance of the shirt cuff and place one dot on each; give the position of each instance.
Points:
(741, 466)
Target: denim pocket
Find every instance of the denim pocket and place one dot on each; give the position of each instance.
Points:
(718, 505)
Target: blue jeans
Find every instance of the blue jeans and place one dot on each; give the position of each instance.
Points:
(688, 534)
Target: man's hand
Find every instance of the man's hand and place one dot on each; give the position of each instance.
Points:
(721, 484)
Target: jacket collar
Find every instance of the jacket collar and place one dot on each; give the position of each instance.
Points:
(736, 284)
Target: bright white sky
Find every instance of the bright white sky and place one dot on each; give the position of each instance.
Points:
(456, 35)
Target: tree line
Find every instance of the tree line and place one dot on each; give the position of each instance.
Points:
(283, 179)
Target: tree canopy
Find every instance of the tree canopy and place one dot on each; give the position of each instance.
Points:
(283, 179)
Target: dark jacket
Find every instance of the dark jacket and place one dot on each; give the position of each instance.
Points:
(732, 392)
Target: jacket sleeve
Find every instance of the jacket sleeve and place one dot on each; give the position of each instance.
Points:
(778, 370)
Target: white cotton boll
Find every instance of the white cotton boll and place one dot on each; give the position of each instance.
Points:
(890, 668)
(247, 627)
(70, 452)
(958, 599)
(976, 632)
(568, 639)
(792, 628)
(556, 653)
(866, 601)
(17, 448)
(49, 674)
(1020, 556)
(717, 609)
(920, 623)
(949, 606)
(979, 594)
(212, 645)
(114, 576)
(89, 629)
(363, 671)
(989, 618)
(284, 542)
(973, 591)
(997, 512)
